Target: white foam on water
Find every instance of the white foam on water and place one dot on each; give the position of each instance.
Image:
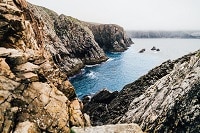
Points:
(91, 75)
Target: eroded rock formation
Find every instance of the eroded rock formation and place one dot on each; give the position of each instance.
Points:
(110, 37)
(72, 45)
(164, 100)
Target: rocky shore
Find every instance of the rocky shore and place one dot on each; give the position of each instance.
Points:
(166, 99)
(39, 49)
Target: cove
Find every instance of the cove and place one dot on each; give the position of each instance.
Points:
(124, 68)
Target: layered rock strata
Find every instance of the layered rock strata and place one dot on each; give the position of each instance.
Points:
(164, 100)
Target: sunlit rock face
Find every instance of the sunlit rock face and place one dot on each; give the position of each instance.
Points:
(166, 99)
(35, 94)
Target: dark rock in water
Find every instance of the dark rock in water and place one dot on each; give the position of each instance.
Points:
(164, 100)
(110, 37)
(157, 49)
(142, 50)
(153, 48)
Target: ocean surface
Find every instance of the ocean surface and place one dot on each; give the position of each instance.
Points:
(126, 67)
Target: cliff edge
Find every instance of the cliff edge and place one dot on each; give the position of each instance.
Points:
(110, 37)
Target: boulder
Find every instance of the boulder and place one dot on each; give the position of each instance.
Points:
(142, 50)
(153, 48)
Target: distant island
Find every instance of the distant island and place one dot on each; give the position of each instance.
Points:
(163, 34)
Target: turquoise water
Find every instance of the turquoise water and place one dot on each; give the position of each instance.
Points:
(126, 67)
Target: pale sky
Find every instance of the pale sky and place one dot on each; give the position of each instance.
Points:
(131, 14)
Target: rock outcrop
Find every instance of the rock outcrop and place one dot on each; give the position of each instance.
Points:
(35, 94)
(164, 100)
(110, 37)
(72, 45)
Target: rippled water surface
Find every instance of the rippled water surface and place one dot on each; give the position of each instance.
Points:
(126, 67)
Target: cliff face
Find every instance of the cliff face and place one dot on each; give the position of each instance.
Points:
(38, 51)
(110, 37)
(164, 100)
(71, 44)
(35, 95)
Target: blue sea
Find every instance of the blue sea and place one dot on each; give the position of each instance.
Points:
(124, 68)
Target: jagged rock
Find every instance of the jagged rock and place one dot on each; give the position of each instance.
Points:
(71, 43)
(156, 102)
(104, 96)
(98, 104)
(35, 94)
(164, 100)
(36, 57)
(118, 128)
(110, 37)
(79, 40)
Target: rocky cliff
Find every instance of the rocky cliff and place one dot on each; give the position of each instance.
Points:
(36, 56)
(72, 45)
(110, 37)
(166, 99)
(39, 49)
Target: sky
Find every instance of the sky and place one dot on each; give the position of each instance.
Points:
(131, 14)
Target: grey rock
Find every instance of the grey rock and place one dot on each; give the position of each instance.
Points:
(164, 100)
